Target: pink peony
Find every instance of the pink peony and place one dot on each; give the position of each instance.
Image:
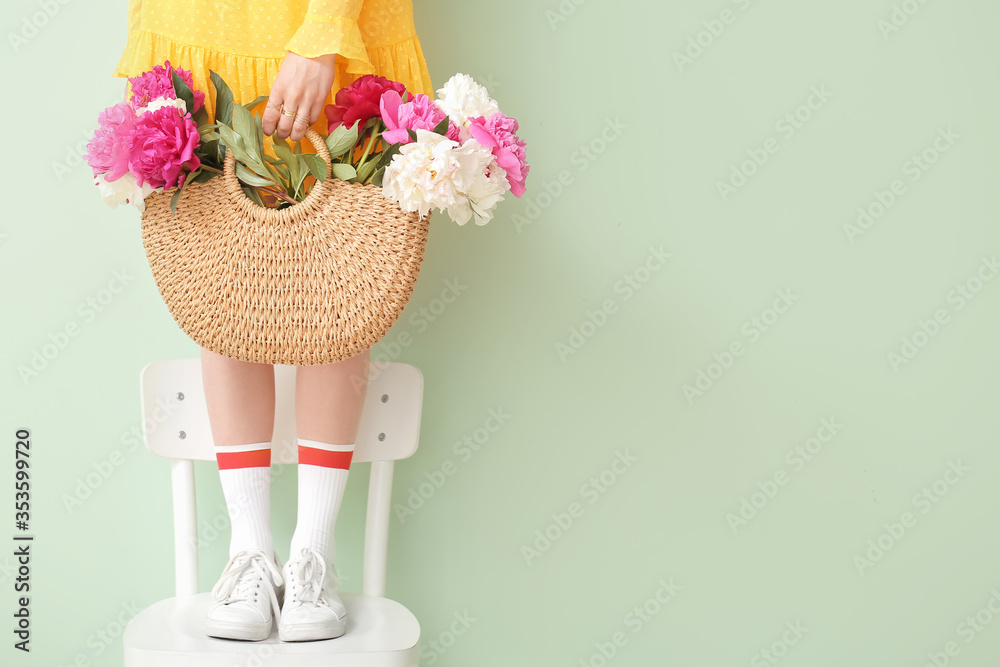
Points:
(162, 142)
(157, 83)
(359, 101)
(108, 152)
(498, 132)
(420, 113)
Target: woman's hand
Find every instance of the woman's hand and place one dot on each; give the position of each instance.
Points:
(301, 87)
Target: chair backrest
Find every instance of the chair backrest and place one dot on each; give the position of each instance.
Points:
(175, 425)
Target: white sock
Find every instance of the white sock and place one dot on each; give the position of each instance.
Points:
(245, 472)
(323, 472)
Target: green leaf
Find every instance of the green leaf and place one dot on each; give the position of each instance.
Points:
(203, 177)
(413, 135)
(386, 156)
(250, 105)
(298, 183)
(342, 139)
(377, 176)
(287, 156)
(275, 176)
(295, 171)
(173, 201)
(258, 122)
(316, 165)
(442, 127)
(281, 148)
(251, 178)
(281, 166)
(223, 99)
(366, 170)
(234, 142)
(252, 194)
(344, 172)
(230, 138)
(201, 116)
(182, 91)
(244, 125)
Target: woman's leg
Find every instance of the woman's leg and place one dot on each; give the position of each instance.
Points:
(240, 400)
(328, 403)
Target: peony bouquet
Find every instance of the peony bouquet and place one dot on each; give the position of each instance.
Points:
(457, 153)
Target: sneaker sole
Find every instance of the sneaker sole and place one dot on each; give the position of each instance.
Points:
(244, 631)
(308, 632)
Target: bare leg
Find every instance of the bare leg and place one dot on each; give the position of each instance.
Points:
(329, 398)
(328, 403)
(240, 399)
(239, 396)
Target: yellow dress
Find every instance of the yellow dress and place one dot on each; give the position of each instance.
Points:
(244, 41)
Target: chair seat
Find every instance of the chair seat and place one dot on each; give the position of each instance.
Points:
(380, 632)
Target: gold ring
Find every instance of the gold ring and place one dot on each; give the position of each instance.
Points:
(286, 113)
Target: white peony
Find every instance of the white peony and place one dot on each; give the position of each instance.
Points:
(161, 102)
(124, 190)
(436, 172)
(462, 98)
(487, 191)
(483, 190)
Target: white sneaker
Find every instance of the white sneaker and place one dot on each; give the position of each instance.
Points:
(247, 593)
(312, 609)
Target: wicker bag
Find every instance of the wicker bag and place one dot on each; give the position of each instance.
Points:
(314, 283)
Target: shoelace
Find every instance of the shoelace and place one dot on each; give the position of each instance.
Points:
(243, 576)
(308, 574)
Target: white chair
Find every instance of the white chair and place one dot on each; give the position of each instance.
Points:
(380, 632)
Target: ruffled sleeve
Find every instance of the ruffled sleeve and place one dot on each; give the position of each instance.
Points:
(331, 26)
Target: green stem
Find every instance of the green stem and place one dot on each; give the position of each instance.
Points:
(277, 192)
(371, 142)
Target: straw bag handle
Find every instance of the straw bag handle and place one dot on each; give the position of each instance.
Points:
(305, 207)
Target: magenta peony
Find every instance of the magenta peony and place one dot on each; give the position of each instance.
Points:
(108, 151)
(162, 142)
(498, 132)
(420, 113)
(157, 83)
(359, 101)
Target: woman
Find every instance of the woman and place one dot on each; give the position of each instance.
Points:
(299, 52)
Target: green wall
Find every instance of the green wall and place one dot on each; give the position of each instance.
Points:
(741, 333)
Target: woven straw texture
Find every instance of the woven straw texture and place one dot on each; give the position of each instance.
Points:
(313, 283)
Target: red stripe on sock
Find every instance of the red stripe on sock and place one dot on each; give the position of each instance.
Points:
(325, 459)
(258, 458)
